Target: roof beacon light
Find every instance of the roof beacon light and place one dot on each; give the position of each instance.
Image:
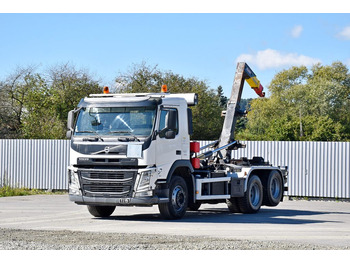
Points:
(164, 89)
(106, 90)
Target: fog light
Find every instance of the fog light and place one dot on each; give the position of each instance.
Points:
(147, 193)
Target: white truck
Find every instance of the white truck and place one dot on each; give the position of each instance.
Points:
(135, 150)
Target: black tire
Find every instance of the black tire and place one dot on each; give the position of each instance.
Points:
(178, 199)
(101, 211)
(273, 190)
(232, 205)
(194, 206)
(252, 199)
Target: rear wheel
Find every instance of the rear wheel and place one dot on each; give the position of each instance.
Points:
(252, 199)
(178, 199)
(273, 190)
(101, 211)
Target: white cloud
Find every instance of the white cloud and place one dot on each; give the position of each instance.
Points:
(269, 58)
(345, 33)
(296, 31)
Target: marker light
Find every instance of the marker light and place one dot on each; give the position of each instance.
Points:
(106, 90)
(164, 89)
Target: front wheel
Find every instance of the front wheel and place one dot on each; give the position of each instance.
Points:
(252, 199)
(101, 211)
(178, 200)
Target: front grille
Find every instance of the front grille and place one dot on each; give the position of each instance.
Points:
(112, 190)
(107, 183)
(116, 176)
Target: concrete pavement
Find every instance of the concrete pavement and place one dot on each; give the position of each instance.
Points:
(311, 222)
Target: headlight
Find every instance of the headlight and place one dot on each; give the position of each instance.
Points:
(144, 181)
(74, 185)
(143, 184)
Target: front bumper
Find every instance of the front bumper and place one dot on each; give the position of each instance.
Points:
(103, 201)
(114, 186)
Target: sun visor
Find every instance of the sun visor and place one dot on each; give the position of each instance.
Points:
(118, 102)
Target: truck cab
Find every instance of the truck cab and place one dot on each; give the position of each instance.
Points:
(125, 148)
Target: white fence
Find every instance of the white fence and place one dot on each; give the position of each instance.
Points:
(316, 169)
(40, 164)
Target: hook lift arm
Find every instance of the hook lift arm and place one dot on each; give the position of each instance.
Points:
(225, 143)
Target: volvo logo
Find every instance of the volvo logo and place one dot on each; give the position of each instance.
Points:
(107, 148)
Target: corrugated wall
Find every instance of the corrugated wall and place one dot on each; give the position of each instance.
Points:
(40, 164)
(316, 169)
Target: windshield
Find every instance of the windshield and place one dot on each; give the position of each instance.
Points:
(115, 121)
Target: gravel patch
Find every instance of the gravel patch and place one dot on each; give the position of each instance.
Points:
(15, 239)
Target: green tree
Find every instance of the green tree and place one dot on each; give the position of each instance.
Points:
(35, 105)
(41, 121)
(14, 91)
(222, 98)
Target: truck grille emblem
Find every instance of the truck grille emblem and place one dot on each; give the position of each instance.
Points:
(107, 149)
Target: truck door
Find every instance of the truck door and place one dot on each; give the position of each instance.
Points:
(168, 139)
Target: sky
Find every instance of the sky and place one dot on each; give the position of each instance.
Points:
(202, 45)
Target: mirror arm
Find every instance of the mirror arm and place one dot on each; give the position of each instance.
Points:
(155, 133)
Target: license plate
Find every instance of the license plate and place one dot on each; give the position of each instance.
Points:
(124, 200)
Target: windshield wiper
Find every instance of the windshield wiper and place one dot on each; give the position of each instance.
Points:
(124, 132)
(93, 132)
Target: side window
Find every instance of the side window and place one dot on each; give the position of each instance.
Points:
(168, 122)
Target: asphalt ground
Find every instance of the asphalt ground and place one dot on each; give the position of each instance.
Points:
(321, 223)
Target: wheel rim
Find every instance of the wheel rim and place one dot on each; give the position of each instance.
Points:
(178, 198)
(255, 195)
(275, 188)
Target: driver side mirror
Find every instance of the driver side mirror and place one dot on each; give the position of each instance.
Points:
(69, 134)
(70, 124)
(70, 120)
(170, 134)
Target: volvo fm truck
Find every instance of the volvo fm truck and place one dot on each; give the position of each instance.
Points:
(135, 149)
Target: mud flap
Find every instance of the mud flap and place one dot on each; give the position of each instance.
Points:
(237, 187)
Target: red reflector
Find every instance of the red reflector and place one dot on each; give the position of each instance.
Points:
(194, 147)
(196, 163)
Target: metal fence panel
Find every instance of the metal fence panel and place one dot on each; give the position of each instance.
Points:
(34, 163)
(316, 169)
